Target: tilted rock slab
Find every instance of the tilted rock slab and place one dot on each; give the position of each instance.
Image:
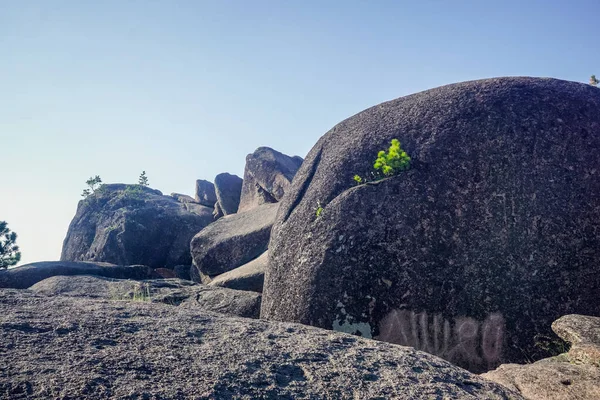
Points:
(27, 275)
(64, 347)
(250, 276)
(231, 242)
(175, 292)
(205, 193)
(228, 189)
(267, 175)
(568, 376)
(132, 224)
(488, 238)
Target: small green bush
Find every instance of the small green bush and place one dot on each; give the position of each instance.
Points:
(389, 163)
(318, 209)
(392, 162)
(134, 191)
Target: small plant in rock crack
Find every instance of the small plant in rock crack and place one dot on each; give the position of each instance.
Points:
(387, 164)
(319, 209)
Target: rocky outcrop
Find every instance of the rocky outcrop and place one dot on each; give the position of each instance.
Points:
(231, 242)
(488, 238)
(249, 276)
(27, 275)
(66, 347)
(175, 292)
(571, 375)
(228, 189)
(267, 176)
(132, 224)
(205, 193)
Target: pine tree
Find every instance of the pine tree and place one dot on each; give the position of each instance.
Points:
(594, 81)
(143, 179)
(93, 183)
(9, 251)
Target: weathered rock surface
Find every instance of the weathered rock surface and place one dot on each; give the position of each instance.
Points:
(175, 292)
(183, 198)
(250, 276)
(205, 193)
(228, 189)
(183, 272)
(132, 224)
(232, 241)
(64, 347)
(27, 275)
(571, 375)
(488, 238)
(267, 176)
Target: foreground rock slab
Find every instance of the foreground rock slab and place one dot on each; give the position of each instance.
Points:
(489, 237)
(63, 347)
(574, 375)
(175, 292)
(27, 275)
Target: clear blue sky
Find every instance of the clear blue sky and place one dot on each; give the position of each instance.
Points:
(185, 89)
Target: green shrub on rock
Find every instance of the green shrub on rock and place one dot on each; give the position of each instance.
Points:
(392, 162)
(387, 164)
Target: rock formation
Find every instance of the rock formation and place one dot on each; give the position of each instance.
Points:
(571, 375)
(249, 276)
(489, 237)
(67, 347)
(27, 275)
(228, 189)
(205, 193)
(231, 242)
(267, 176)
(132, 224)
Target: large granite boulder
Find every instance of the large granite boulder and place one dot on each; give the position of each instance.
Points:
(132, 224)
(228, 189)
(250, 276)
(27, 275)
(231, 242)
(175, 292)
(489, 237)
(76, 348)
(205, 193)
(267, 176)
(574, 374)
